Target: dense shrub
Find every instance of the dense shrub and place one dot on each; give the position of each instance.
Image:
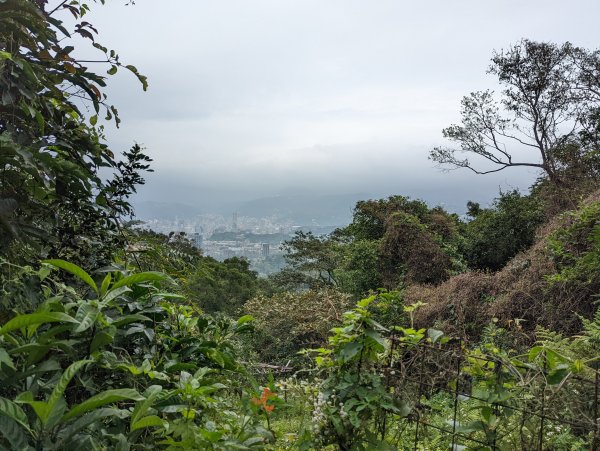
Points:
(497, 234)
(117, 364)
(401, 387)
(549, 284)
(212, 285)
(370, 216)
(390, 242)
(221, 286)
(576, 247)
(288, 322)
(360, 269)
(411, 253)
(415, 242)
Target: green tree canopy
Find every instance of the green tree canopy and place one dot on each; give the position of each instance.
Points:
(389, 242)
(221, 286)
(52, 196)
(497, 234)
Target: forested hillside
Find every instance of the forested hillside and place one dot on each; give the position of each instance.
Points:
(412, 327)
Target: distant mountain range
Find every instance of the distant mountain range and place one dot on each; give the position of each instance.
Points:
(302, 209)
(165, 210)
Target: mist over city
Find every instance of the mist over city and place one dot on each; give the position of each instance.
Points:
(254, 100)
(289, 113)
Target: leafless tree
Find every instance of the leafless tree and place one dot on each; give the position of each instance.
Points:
(550, 99)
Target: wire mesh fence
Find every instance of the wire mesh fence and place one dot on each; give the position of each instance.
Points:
(517, 405)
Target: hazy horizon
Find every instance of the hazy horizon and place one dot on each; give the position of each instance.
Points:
(254, 99)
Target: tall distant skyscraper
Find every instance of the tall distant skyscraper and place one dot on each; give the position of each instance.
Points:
(196, 239)
(265, 250)
(179, 224)
(235, 220)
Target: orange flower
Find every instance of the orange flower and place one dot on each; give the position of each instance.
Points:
(263, 400)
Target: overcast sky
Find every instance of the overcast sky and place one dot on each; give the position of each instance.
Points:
(255, 98)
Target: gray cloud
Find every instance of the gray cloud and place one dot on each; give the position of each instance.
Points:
(249, 98)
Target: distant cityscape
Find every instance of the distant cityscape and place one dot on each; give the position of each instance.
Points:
(258, 240)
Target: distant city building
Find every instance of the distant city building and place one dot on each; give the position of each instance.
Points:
(252, 238)
(196, 239)
(265, 250)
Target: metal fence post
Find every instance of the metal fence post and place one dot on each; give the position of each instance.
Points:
(495, 405)
(543, 412)
(418, 405)
(458, 365)
(596, 383)
(387, 383)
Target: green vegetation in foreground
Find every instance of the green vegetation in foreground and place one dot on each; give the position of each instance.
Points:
(113, 337)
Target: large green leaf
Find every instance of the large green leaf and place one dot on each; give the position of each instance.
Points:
(86, 316)
(150, 276)
(86, 420)
(375, 339)
(101, 399)
(434, 335)
(244, 319)
(48, 365)
(105, 284)
(146, 422)
(142, 407)
(61, 386)
(136, 317)
(349, 351)
(34, 319)
(13, 433)
(14, 411)
(33, 351)
(5, 358)
(102, 338)
(50, 334)
(75, 270)
(39, 407)
(169, 295)
(115, 293)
